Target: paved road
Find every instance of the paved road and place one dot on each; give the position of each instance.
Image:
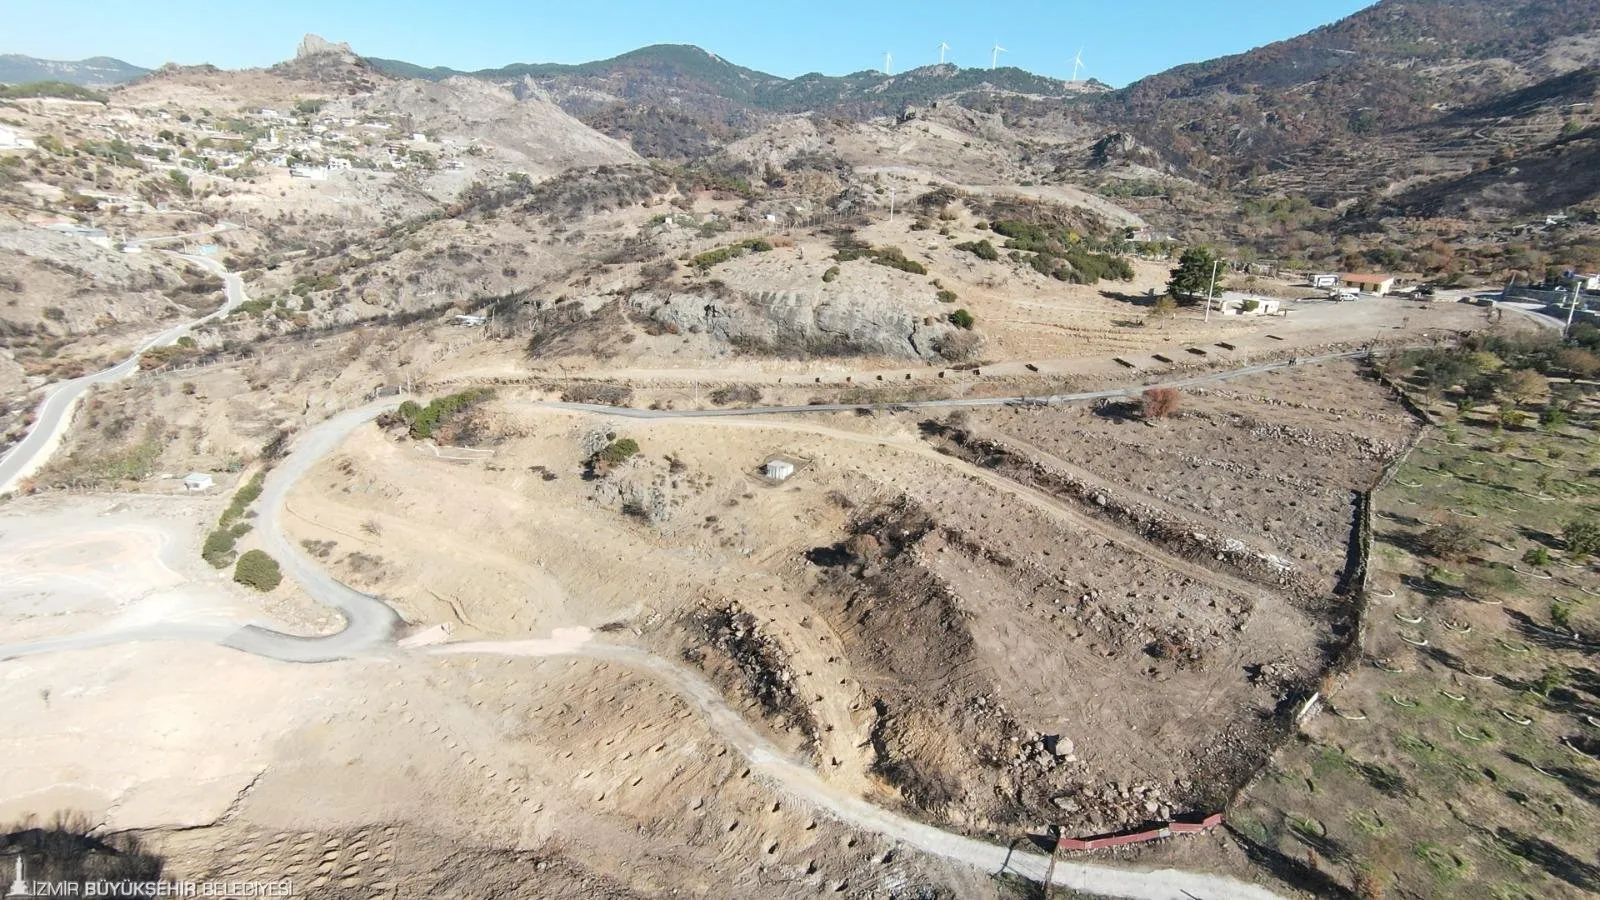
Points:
(54, 414)
(371, 626)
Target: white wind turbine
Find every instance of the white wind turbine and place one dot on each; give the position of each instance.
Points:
(888, 63)
(994, 56)
(943, 47)
(1077, 64)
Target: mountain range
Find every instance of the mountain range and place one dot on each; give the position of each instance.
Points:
(1398, 95)
(96, 71)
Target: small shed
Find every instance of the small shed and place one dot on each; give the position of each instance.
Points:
(778, 469)
(198, 481)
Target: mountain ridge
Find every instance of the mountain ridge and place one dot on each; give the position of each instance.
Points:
(94, 71)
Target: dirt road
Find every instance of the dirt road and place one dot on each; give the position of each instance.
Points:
(371, 627)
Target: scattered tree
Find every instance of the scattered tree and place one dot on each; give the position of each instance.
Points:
(1192, 277)
(962, 319)
(1451, 541)
(1523, 385)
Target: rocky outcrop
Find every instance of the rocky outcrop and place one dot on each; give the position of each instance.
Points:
(312, 45)
(797, 322)
(1122, 147)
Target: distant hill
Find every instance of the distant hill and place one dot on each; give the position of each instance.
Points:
(96, 71)
(680, 73)
(680, 101)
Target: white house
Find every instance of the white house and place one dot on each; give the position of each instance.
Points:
(778, 469)
(198, 481)
(1324, 281)
(313, 173)
(338, 162)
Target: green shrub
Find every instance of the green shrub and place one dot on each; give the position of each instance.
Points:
(424, 421)
(242, 500)
(893, 257)
(947, 296)
(218, 549)
(1582, 537)
(258, 570)
(618, 451)
(962, 319)
(710, 258)
(1536, 556)
(981, 249)
(831, 275)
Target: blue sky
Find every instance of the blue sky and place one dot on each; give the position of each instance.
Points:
(1122, 40)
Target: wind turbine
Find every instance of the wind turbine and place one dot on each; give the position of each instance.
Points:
(994, 57)
(888, 63)
(1077, 64)
(942, 48)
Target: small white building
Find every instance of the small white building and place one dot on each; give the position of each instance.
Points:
(1324, 281)
(777, 469)
(198, 481)
(1233, 303)
(312, 173)
(1369, 284)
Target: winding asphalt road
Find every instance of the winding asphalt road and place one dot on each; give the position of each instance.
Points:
(55, 410)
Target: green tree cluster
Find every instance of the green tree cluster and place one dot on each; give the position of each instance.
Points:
(424, 421)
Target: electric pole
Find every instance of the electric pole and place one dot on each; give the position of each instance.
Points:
(1577, 292)
(1050, 871)
(1213, 289)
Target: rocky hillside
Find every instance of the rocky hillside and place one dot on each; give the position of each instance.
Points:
(531, 132)
(1366, 83)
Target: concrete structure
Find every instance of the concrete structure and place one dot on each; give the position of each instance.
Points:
(471, 321)
(1324, 281)
(1370, 284)
(777, 469)
(12, 139)
(313, 173)
(1231, 304)
(198, 481)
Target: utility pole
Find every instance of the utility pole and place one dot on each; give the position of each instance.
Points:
(1213, 289)
(891, 204)
(1050, 871)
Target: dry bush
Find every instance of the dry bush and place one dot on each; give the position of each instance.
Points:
(588, 392)
(1160, 402)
